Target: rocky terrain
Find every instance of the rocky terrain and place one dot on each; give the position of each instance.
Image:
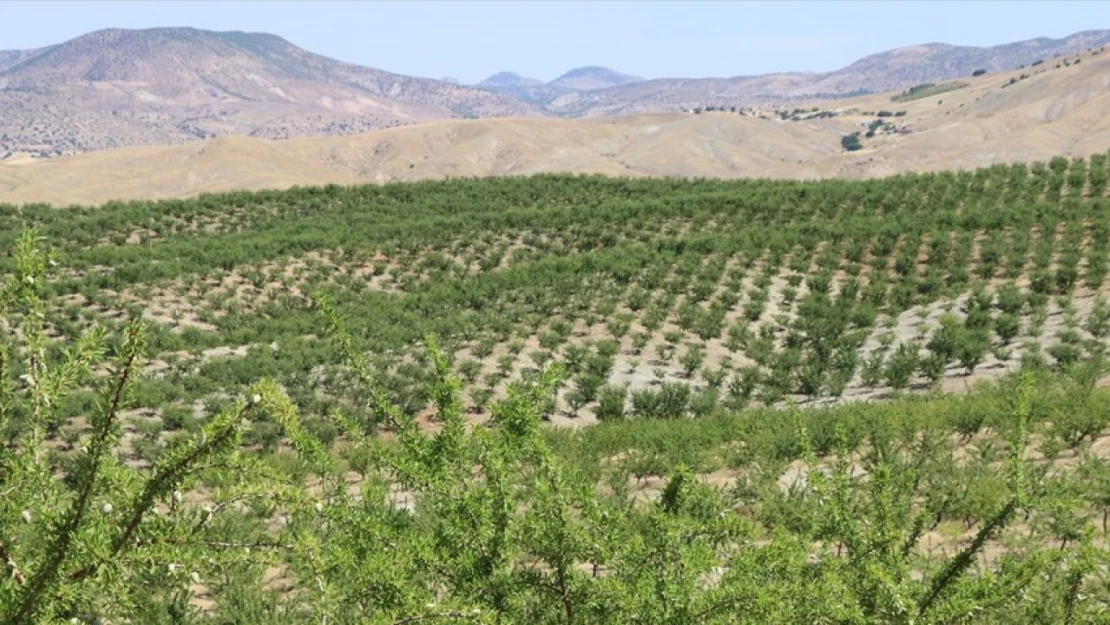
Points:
(114, 88)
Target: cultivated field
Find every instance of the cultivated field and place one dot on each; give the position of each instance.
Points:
(803, 401)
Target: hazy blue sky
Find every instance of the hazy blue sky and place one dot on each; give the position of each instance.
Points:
(471, 40)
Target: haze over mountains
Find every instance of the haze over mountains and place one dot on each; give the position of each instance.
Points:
(537, 92)
(115, 88)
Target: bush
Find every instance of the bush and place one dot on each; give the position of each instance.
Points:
(851, 142)
(670, 401)
(692, 360)
(610, 403)
(972, 348)
(1007, 326)
(507, 518)
(901, 365)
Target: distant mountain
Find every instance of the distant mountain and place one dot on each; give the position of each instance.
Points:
(593, 77)
(894, 69)
(173, 85)
(169, 85)
(509, 80)
(529, 90)
(541, 94)
(913, 65)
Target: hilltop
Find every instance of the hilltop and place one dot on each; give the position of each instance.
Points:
(116, 87)
(893, 69)
(593, 77)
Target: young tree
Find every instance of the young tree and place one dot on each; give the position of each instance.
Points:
(901, 365)
(692, 360)
(971, 349)
(611, 401)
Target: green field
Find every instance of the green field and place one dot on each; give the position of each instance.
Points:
(563, 399)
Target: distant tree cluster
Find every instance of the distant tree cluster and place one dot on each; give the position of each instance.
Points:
(716, 109)
(800, 114)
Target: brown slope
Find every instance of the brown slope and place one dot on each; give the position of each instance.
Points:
(652, 145)
(1054, 111)
(913, 65)
(1063, 111)
(891, 70)
(170, 85)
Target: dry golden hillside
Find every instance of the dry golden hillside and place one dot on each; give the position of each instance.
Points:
(1052, 111)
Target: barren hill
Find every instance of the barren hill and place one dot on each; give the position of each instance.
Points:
(171, 85)
(116, 88)
(895, 69)
(1057, 108)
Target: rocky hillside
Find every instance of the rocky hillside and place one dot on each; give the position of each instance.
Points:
(116, 88)
(9, 58)
(170, 85)
(894, 69)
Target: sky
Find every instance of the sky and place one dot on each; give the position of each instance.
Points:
(469, 41)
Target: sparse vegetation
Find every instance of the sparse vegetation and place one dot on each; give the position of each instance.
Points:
(928, 89)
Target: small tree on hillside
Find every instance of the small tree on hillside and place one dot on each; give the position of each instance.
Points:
(851, 142)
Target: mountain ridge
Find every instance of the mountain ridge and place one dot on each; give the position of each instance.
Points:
(539, 93)
(118, 87)
(897, 68)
